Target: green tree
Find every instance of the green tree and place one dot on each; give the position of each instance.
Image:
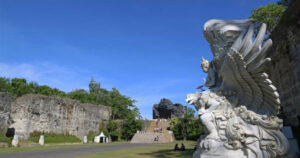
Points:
(186, 127)
(80, 95)
(136, 113)
(5, 85)
(33, 86)
(176, 127)
(57, 92)
(120, 104)
(19, 86)
(45, 90)
(269, 14)
(187, 122)
(129, 128)
(112, 129)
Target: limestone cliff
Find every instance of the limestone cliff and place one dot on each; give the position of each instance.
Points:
(56, 115)
(285, 68)
(5, 104)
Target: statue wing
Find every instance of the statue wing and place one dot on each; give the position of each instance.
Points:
(243, 72)
(240, 63)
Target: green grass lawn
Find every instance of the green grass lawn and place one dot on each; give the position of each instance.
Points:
(53, 138)
(153, 151)
(34, 148)
(19, 149)
(5, 139)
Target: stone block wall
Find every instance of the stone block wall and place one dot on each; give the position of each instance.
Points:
(285, 68)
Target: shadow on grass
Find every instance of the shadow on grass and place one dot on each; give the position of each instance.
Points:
(168, 153)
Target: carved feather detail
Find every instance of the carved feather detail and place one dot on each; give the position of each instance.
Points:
(243, 64)
(255, 61)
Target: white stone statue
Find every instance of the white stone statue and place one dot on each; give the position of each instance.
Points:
(15, 141)
(85, 140)
(239, 110)
(42, 140)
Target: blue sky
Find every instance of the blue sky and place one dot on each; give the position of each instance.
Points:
(148, 49)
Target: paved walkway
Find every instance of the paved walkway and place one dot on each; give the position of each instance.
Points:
(70, 152)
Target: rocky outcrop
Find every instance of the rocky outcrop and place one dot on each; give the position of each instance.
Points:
(285, 68)
(54, 115)
(5, 104)
(166, 109)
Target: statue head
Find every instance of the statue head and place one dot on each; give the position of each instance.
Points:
(205, 65)
(192, 99)
(207, 101)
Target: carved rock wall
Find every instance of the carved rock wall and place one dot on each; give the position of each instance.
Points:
(55, 115)
(5, 104)
(285, 68)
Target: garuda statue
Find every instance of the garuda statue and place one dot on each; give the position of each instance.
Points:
(240, 106)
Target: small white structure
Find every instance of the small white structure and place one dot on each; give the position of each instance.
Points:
(85, 140)
(15, 141)
(42, 140)
(98, 138)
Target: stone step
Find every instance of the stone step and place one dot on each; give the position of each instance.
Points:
(149, 135)
(149, 138)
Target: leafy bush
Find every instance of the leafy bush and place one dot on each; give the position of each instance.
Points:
(129, 128)
(269, 14)
(113, 130)
(188, 127)
(91, 136)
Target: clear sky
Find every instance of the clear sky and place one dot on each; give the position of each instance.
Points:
(148, 49)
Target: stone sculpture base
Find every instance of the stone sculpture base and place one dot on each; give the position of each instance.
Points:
(222, 156)
(219, 152)
(227, 154)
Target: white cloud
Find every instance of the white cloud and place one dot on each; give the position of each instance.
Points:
(44, 73)
(150, 92)
(22, 70)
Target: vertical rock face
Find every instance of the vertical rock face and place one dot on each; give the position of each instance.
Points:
(285, 68)
(5, 104)
(166, 109)
(55, 115)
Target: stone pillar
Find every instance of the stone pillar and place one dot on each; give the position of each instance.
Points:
(85, 140)
(42, 140)
(15, 141)
(97, 139)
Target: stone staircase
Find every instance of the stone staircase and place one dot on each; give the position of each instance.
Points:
(149, 135)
